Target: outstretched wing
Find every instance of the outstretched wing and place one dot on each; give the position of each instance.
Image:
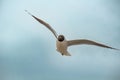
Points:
(44, 23)
(88, 42)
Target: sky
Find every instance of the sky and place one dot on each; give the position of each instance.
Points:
(28, 49)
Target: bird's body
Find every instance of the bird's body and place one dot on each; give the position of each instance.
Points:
(62, 44)
(62, 47)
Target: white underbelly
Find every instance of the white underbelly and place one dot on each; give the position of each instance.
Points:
(61, 46)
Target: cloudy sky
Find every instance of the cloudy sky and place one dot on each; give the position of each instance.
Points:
(28, 51)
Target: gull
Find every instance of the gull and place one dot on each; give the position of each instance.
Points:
(62, 44)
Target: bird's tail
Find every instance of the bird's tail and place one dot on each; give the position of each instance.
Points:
(67, 54)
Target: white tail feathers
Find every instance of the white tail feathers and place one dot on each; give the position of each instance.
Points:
(67, 54)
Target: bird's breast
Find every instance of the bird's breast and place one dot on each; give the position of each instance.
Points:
(61, 46)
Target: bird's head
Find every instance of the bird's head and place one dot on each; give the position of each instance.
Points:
(61, 38)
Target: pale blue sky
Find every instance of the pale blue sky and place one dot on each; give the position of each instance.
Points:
(28, 51)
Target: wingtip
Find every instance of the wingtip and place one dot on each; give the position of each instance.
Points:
(115, 49)
(28, 12)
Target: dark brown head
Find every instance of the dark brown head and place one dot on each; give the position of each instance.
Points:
(61, 38)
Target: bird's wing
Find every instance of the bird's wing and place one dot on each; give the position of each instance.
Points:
(88, 42)
(44, 23)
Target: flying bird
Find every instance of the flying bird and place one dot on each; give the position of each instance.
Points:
(62, 44)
